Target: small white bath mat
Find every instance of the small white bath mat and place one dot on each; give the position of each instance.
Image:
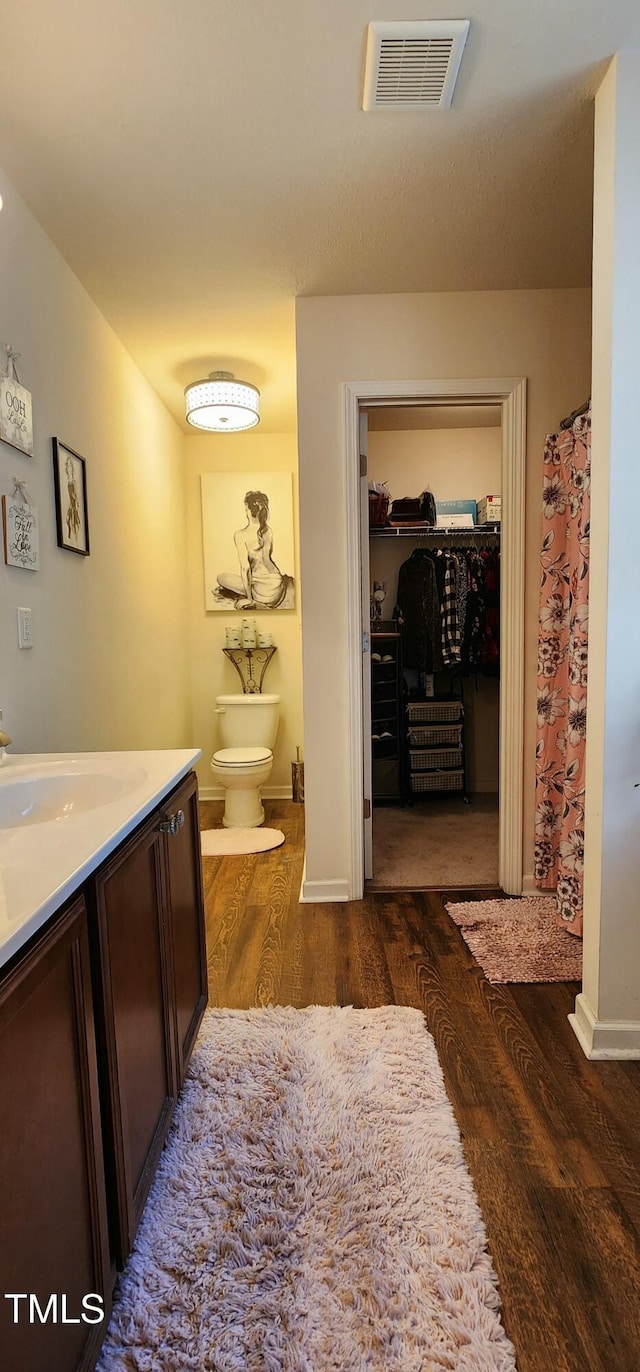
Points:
(221, 842)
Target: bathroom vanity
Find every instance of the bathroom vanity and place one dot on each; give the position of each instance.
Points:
(100, 1002)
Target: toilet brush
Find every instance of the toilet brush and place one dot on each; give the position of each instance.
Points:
(297, 779)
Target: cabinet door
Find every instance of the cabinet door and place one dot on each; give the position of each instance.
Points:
(53, 1224)
(184, 882)
(136, 1022)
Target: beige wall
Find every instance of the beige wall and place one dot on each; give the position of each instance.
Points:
(542, 335)
(109, 666)
(455, 464)
(212, 673)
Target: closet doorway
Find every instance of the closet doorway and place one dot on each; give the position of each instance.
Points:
(434, 583)
(431, 740)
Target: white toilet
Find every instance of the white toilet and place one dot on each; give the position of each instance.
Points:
(248, 728)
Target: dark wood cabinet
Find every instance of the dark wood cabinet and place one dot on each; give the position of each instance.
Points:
(151, 992)
(185, 904)
(98, 1017)
(53, 1219)
(136, 1030)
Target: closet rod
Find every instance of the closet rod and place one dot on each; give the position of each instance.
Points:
(575, 414)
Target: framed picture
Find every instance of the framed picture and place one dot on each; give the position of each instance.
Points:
(20, 533)
(70, 479)
(16, 421)
(247, 528)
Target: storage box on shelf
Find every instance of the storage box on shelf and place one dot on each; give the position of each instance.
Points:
(450, 512)
(490, 509)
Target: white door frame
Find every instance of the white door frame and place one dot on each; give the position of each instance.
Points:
(510, 393)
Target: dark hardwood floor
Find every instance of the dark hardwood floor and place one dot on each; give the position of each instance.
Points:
(552, 1141)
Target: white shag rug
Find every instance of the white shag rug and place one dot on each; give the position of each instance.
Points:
(227, 842)
(312, 1211)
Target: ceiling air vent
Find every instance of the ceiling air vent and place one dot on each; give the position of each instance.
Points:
(413, 66)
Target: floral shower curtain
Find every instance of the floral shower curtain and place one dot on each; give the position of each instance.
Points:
(562, 670)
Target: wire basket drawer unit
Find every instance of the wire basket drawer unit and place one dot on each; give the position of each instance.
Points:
(438, 781)
(434, 711)
(434, 735)
(430, 759)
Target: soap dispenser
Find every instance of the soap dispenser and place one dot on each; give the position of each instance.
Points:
(4, 741)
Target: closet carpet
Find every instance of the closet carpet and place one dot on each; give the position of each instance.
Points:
(441, 843)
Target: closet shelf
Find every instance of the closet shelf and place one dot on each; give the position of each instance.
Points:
(426, 531)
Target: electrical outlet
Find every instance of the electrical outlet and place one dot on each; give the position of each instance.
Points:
(25, 627)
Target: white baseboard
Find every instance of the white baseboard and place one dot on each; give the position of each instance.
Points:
(529, 887)
(600, 1039)
(319, 892)
(268, 792)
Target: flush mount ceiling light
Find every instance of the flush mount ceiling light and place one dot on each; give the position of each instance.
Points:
(222, 404)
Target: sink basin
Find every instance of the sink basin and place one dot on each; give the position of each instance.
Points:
(59, 791)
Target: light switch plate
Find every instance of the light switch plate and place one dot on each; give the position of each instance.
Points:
(25, 627)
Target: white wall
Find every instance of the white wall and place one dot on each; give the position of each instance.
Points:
(212, 672)
(455, 464)
(543, 335)
(109, 666)
(608, 1011)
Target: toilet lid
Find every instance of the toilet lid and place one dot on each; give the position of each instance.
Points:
(241, 757)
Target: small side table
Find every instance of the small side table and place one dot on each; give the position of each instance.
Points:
(251, 665)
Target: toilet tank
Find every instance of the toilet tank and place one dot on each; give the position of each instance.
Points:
(247, 721)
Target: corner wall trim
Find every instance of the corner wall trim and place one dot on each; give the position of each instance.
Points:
(529, 887)
(323, 891)
(510, 393)
(602, 1039)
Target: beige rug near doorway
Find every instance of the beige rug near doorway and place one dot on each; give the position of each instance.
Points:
(312, 1209)
(519, 940)
(436, 842)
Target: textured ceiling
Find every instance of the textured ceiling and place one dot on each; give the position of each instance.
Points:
(200, 164)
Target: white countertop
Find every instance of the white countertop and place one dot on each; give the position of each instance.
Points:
(42, 864)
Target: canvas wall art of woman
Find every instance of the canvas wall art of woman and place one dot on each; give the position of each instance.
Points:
(259, 584)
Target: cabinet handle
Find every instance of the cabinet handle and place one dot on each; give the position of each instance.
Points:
(173, 824)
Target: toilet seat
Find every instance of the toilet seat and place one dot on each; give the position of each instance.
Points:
(242, 757)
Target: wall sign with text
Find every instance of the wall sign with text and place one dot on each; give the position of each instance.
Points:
(20, 534)
(16, 421)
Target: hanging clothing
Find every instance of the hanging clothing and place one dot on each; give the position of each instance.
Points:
(562, 670)
(419, 601)
(449, 611)
(461, 593)
(491, 639)
(450, 602)
(474, 628)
